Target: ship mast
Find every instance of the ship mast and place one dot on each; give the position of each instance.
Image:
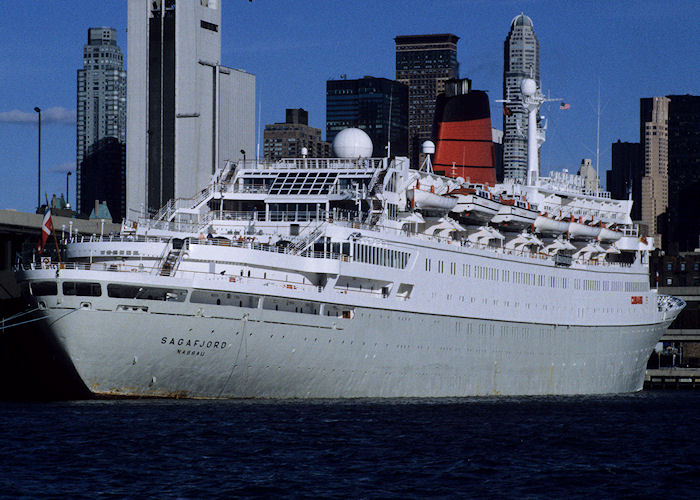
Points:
(532, 100)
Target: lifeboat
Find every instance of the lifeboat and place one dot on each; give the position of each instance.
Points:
(580, 230)
(547, 225)
(430, 201)
(475, 205)
(515, 214)
(609, 234)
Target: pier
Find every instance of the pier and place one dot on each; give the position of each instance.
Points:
(672, 378)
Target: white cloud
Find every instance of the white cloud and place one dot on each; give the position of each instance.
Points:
(49, 115)
(63, 168)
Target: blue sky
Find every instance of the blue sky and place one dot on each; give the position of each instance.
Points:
(634, 49)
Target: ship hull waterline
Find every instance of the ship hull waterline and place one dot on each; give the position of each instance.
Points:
(255, 353)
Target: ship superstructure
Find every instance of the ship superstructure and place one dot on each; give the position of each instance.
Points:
(359, 277)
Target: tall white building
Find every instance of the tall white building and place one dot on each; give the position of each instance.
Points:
(101, 124)
(521, 60)
(187, 113)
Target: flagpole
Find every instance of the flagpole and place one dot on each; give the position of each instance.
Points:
(53, 231)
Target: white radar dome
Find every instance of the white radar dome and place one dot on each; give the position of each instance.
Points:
(528, 87)
(428, 147)
(352, 143)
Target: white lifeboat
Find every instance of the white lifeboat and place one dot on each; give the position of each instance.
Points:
(548, 225)
(579, 230)
(475, 205)
(430, 201)
(515, 214)
(607, 234)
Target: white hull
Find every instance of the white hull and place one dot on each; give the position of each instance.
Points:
(234, 352)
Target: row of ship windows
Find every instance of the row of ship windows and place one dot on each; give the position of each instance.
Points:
(210, 297)
(380, 256)
(534, 279)
(581, 311)
(119, 252)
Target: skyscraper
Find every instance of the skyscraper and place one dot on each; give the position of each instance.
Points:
(376, 105)
(424, 63)
(187, 114)
(683, 231)
(654, 140)
(101, 120)
(286, 140)
(625, 176)
(521, 60)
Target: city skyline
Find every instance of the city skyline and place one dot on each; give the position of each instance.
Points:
(634, 49)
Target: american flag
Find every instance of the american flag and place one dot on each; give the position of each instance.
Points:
(46, 228)
(565, 105)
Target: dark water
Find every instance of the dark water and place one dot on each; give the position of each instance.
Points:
(643, 445)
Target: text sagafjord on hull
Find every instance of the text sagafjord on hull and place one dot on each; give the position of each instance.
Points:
(362, 277)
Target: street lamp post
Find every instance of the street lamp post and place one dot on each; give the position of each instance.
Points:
(67, 186)
(38, 194)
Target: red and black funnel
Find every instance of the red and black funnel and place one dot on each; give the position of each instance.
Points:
(464, 146)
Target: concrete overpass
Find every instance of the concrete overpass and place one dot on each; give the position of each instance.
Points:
(20, 230)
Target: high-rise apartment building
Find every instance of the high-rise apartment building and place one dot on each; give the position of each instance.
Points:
(376, 105)
(654, 140)
(101, 125)
(625, 176)
(424, 63)
(521, 60)
(187, 113)
(288, 139)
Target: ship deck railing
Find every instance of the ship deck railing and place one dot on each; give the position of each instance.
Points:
(96, 238)
(249, 242)
(313, 164)
(135, 269)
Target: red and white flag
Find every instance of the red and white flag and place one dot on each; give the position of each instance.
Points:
(46, 229)
(565, 105)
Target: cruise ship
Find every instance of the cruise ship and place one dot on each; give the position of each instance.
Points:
(358, 276)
